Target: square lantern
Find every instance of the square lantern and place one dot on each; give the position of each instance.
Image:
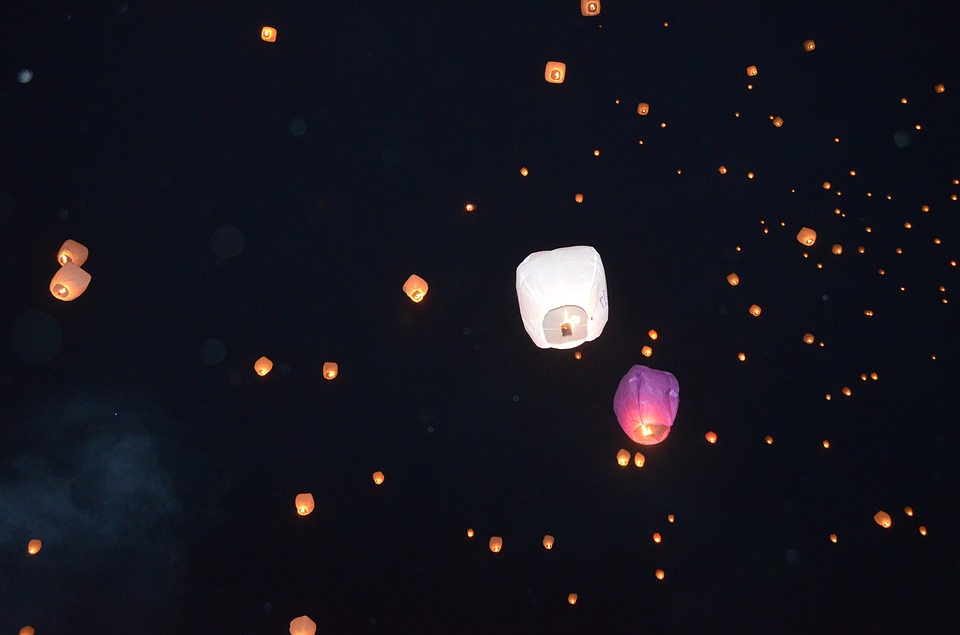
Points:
(415, 287)
(72, 251)
(330, 370)
(646, 404)
(806, 236)
(268, 34)
(69, 282)
(563, 296)
(555, 72)
(752, 71)
(589, 7)
(643, 108)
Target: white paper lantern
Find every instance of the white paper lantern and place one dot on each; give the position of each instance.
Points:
(563, 296)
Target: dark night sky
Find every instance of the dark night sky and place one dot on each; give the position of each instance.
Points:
(161, 479)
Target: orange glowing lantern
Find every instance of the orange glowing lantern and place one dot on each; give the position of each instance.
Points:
(589, 8)
(768, 439)
(415, 287)
(27, 630)
(470, 532)
(72, 251)
(846, 391)
(572, 598)
(548, 542)
(578, 198)
(923, 530)
(882, 518)
(303, 625)
(652, 334)
(524, 171)
(939, 88)
(826, 444)
(778, 121)
(304, 503)
(660, 574)
(623, 457)
(378, 478)
(752, 71)
(262, 366)
(808, 338)
(643, 108)
(496, 544)
(742, 357)
(69, 282)
(33, 547)
(577, 355)
(268, 34)
(711, 437)
(469, 207)
(733, 279)
(639, 459)
(555, 72)
(656, 537)
(837, 249)
(669, 518)
(330, 370)
(908, 510)
(809, 45)
(833, 538)
(806, 236)
(755, 310)
(646, 351)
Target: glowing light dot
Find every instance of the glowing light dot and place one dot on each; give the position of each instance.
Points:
(742, 357)
(828, 397)
(711, 437)
(826, 444)
(596, 153)
(660, 574)
(768, 439)
(778, 121)
(722, 169)
(923, 530)
(652, 334)
(656, 537)
(750, 175)
(572, 598)
(755, 310)
(646, 351)
(808, 338)
(846, 391)
(469, 207)
(578, 355)
(924, 208)
(833, 538)
(908, 510)
(524, 171)
(578, 198)
(669, 518)
(470, 533)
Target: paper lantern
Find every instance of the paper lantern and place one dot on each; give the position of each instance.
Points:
(755, 310)
(555, 72)
(809, 45)
(646, 351)
(578, 198)
(304, 503)
(656, 537)
(416, 287)
(623, 457)
(548, 542)
(733, 279)
(330, 370)
(69, 282)
(524, 171)
(496, 544)
(639, 459)
(660, 574)
(923, 530)
(669, 518)
(562, 296)
(589, 7)
(711, 437)
(777, 121)
(833, 538)
(646, 404)
(643, 108)
(806, 236)
(882, 518)
(470, 532)
(378, 478)
(34, 546)
(27, 630)
(752, 71)
(939, 88)
(572, 598)
(72, 251)
(262, 366)
(303, 625)
(268, 34)
(837, 249)
(768, 439)
(469, 207)
(742, 357)
(808, 338)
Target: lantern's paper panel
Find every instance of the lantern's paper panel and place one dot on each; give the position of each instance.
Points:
(69, 282)
(646, 404)
(563, 296)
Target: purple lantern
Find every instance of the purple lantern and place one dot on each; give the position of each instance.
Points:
(646, 404)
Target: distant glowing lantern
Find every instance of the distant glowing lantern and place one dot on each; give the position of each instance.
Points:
(751, 71)
(669, 518)
(646, 351)
(469, 207)
(656, 537)
(330, 370)
(778, 121)
(548, 542)
(808, 338)
(639, 459)
(646, 404)
(722, 169)
(268, 34)
(939, 88)
(755, 310)
(562, 296)
(826, 444)
(27, 630)
(711, 437)
(69, 282)
(304, 503)
(524, 171)
(923, 530)
(652, 334)
(416, 287)
(378, 478)
(578, 198)
(623, 457)
(882, 518)
(643, 108)
(809, 45)
(833, 538)
(496, 544)
(660, 574)
(768, 439)
(262, 366)
(33, 547)
(837, 249)
(733, 279)
(303, 625)
(908, 510)
(742, 357)
(470, 532)
(555, 72)
(806, 236)
(589, 7)
(72, 251)
(578, 355)
(572, 598)
(846, 391)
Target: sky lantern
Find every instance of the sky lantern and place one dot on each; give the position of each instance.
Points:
(646, 351)
(742, 357)
(330, 370)
(808, 338)
(643, 108)
(470, 532)
(639, 459)
(548, 542)
(33, 547)
(711, 437)
(652, 334)
(69, 282)
(623, 457)
(752, 71)
(670, 518)
(939, 88)
(646, 404)
(524, 171)
(304, 503)
(809, 45)
(589, 7)
(496, 544)
(578, 198)
(72, 251)
(733, 279)
(572, 598)
(268, 34)
(923, 530)
(660, 574)
(27, 630)
(262, 366)
(416, 287)
(656, 537)
(806, 236)
(755, 310)
(882, 518)
(378, 478)
(833, 538)
(777, 121)
(303, 625)
(469, 207)
(768, 439)
(562, 296)
(837, 249)
(555, 72)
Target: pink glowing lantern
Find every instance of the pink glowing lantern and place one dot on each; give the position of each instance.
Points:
(646, 404)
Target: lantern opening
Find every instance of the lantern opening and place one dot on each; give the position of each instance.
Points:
(562, 323)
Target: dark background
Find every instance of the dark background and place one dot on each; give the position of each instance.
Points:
(160, 474)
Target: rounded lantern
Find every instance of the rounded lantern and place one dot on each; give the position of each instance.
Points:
(304, 503)
(646, 404)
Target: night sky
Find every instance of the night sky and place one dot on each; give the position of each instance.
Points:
(241, 198)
